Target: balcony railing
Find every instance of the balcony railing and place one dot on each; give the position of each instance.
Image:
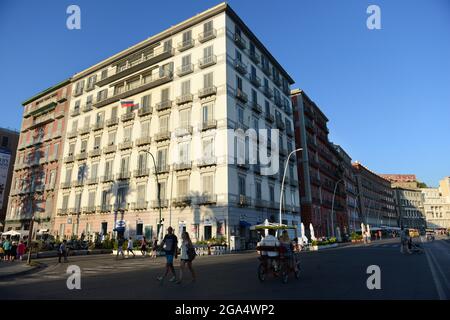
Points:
(104, 208)
(162, 168)
(121, 206)
(207, 199)
(112, 122)
(207, 35)
(63, 212)
(185, 69)
(109, 149)
(69, 159)
(244, 200)
(78, 183)
(266, 69)
(256, 107)
(206, 92)
(207, 61)
(255, 57)
(182, 201)
(84, 130)
(145, 111)
(267, 92)
(92, 181)
(162, 135)
(81, 156)
(207, 161)
(163, 105)
(255, 80)
(210, 124)
(183, 166)
(95, 153)
(89, 209)
(239, 41)
(66, 185)
(127, 116)
(278, 102)
(98, 126)
(164, 203)
(107, 178)
(277, 81)
(157, 55)
(139, 205)
(87, 108)
(289, 132)
(143, 141)
(125, 145)
(187, 44)
(75, 112)
(183, 131)
(240, 66)
(142, 172)
(280, 125)
(123, 175)
(185, 98)
(72, 134)
(269, 117)
(241, 95)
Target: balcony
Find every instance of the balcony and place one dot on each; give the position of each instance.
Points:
(280, 124)
(84, 130)
(89, 209)
(81, 156)
(146, 83)
(182, 201)
(207, 162)
(206, 199)
(144, 111)
(69, 159)
(140, 205)
(156, 56)
(125, 145)
(206, 92)
(256, 107)
(239, 41)
(161, 136)
(112, 122)
(267, 92)
(50, 186)
(41, 120)
(87, 108)
(63, 212)
(277, 81)
(43, 160)
(207, 35)
(162, 168)
(91, 181)
(278, 102)
(256, 58)
(143, 141)
(185, 98)
(78, 183)
(127, 116)
(123, 175)
(95, 153)
(107, 178)
(240, 125)
(72, 134)
(266, 69)
(207, 61)
(244, 200)
(210, 124)
(269, 117)
(75, 112)
(243, 166)
(163, 105)
(183, 131)
(104, 208)
(98, 126)
(109, 149)
(241, 95)
(183, 166)
(121, 206)
(255, 80)
(240, 66)
(185, 69)
(164, 203)
(142, 172)
(184, 45)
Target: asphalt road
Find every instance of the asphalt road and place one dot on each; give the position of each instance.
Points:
(338, 273)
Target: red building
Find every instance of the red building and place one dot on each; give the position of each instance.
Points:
(320, 170)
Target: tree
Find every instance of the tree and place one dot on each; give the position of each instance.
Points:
(421, 184)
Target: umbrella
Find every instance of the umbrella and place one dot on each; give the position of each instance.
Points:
(368, 229)
(311, 229)
(11, 233)
(362, 228)
(161, 233)
(304, 238)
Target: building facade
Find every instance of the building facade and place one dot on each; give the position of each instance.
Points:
(376, 198)
(437, 205)
(408, 181)
(35, 181)
(191, 86)
(410, 208)
(320, 170)
(8, 147)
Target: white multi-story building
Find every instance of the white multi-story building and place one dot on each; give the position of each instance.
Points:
(193, 83)
(437, 204)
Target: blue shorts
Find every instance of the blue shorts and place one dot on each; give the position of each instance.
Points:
(169, 258)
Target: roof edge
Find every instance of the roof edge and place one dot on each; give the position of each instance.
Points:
(46, 91)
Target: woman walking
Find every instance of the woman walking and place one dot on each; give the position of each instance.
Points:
(130, 247)
(144, 246)
(21, 250)
(13, 251)
(154, 247)
(187, 255)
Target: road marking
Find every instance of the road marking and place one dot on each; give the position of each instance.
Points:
(440, 270)
(437, 283)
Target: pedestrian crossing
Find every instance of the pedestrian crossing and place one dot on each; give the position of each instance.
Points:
(380, 245)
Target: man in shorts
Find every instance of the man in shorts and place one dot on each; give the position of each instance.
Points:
(170, 245)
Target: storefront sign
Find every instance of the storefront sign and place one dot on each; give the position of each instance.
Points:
(4, 167)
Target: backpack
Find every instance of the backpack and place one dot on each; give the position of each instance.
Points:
(191, 253)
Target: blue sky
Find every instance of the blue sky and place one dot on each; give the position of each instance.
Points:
(386, 92)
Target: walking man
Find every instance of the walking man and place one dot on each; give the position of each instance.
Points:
(130, 247)
(170, 245)
(62, 251)
(120, 242)
(404, 241)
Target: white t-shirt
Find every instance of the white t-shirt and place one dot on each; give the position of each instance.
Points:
(270, 240)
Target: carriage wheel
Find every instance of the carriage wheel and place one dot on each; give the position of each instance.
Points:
(261, 273)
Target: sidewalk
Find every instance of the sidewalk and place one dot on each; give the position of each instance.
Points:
(17, 268)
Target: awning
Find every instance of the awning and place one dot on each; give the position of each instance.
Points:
(244, 224)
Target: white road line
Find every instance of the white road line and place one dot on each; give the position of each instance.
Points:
(437, 283)
(446, 282)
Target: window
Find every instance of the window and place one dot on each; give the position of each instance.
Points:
(108, 168)
(94, 170)
(167, 45)
(146, 101)
(207, 112)
(253, 72)
(165, 94)
(77, 202)
(186, 62)
(76, 107)
(111, 138)
(141, 193)
(83, 146)
(239, 83)
(267, 106)
(208, 148)
(127, 134)
(208, 27)
(71, 149)
(162, 157)
(185, 87)
(124, 165)
(91, 199)
(238, 55)
(164, 124)
(89, 100)
(5, 141)
(102, 95)
(183, 152)
(185, 118)
(106, 197)
(145, 129)
(241, 185)
(272, 193)
(100, 116)
(162, 190)
(68, 175)
(65, 201)
(183, 186)
(208, 80)
(240, 115)
(208, 184)
(258, 190)
(81, 173)
(121, 199)
(52, 178)
(187, 37)
(208, 53)
(79, 87)
(97, 141)
(104, 74)
(142, 161)
(114, 112)
(254, 96)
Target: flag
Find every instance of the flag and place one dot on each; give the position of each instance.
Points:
(127, 103)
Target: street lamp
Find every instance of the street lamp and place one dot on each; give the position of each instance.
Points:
(332, 206)
(284, 175)
(159, 189)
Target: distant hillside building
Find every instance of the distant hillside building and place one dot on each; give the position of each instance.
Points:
(437, 204)
(408, 181)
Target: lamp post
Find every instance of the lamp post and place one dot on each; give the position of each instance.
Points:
(332, 206)
(159, 189)
(284, 175)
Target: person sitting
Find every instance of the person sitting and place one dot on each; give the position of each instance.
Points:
(287, 244)
(270, 241)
